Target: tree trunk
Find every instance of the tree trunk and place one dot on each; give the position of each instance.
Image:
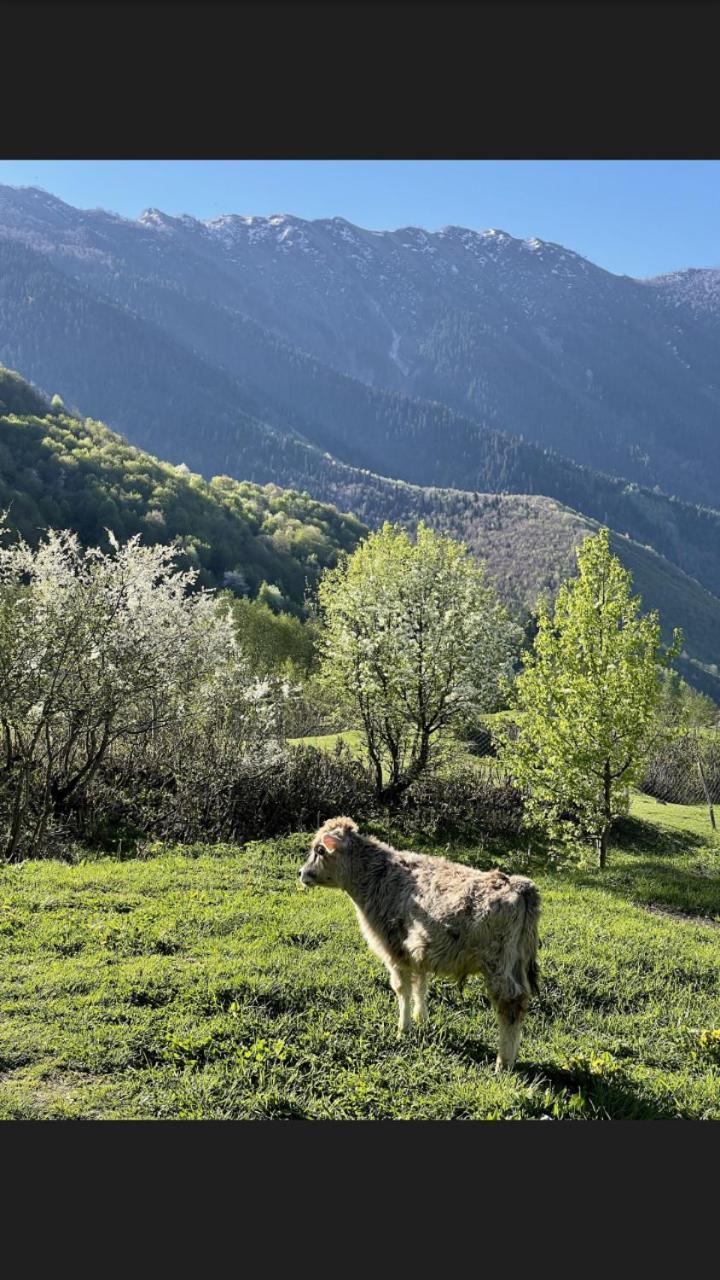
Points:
(61, 794)
(602, 841)
(399, 783)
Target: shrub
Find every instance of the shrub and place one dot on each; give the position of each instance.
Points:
(105, 654)
(236, 796)
(233, 797)
(466, 804)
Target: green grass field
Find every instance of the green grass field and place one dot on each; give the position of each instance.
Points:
(327, 741)
(456, 752)
(205, 983)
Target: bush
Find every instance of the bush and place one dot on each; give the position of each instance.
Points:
(106, 654)
(466, 804)
(201, 794)
(233, 798)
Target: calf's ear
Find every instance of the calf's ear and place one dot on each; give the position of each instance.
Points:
(331, 843)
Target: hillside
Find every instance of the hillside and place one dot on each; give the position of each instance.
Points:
(523, 336)
(528, 543)
(59, 470)
(266, 412)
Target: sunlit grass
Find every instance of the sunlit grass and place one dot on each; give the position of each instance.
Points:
(204, 983)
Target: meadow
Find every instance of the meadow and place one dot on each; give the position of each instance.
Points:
(202, 982)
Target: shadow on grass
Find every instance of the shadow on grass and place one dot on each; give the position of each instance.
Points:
(577, 1092)
(682, 891)
(635, 835)
(612, 1097)
(648, 867)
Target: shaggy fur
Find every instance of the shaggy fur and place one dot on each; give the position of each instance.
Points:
(424, 915)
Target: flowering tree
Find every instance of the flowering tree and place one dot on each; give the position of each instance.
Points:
(99, 648)
(413, 643)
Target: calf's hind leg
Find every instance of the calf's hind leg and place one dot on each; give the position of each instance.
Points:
(400, 983)
(510, 1017)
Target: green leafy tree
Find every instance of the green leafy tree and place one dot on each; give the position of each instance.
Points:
(413, 643)
(273, 642)
(587, 695)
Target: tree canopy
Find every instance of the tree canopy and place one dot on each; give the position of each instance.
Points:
(413, 641)
(587, 696)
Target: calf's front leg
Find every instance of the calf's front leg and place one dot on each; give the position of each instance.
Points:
(400, 983)
(419, 995)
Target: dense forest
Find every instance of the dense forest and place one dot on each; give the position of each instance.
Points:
(61, 471)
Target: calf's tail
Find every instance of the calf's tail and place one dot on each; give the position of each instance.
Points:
(528, 943)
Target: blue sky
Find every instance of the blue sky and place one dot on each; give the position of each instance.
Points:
(634, 217)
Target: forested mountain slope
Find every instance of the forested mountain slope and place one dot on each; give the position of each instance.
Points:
(62, 471)
(528, 544)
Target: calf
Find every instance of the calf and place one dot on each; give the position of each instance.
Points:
(424, 915)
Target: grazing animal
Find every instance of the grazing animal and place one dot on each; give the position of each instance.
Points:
(424, 915)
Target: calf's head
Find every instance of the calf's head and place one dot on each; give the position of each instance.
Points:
(325, 861)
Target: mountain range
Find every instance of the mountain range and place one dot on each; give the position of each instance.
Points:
(521, 335)
(397, 375)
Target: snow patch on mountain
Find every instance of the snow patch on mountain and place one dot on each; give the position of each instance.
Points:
(394, 346)
(696, 287)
